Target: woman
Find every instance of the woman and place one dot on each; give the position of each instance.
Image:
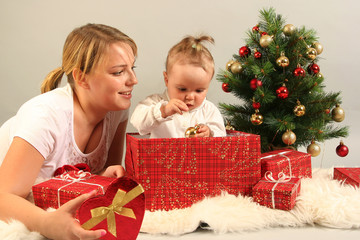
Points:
(83, 122)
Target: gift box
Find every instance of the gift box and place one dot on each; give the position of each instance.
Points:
(278, 193)
(290, 162)
(348, 176)
(120, 210)
(59, 190)
(177, 172)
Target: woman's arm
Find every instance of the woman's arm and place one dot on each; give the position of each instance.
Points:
(18, 172)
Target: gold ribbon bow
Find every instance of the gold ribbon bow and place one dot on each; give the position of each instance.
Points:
(121, 198)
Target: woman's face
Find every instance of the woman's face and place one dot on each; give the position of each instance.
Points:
(112, 82)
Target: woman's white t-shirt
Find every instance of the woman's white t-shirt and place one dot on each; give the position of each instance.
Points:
(46, 122)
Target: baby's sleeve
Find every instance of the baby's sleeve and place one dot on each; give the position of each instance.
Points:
(147, 114)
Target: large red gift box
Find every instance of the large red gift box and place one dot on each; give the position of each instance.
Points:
(59, 190)
(348, 175)
(177, 172)
(278, 193)
(290, 162)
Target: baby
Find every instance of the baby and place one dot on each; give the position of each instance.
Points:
(189, 70)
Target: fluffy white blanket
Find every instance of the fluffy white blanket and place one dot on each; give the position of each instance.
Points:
(321, 201)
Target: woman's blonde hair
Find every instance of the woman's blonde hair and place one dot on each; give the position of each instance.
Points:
(191, 50)
(84, 49)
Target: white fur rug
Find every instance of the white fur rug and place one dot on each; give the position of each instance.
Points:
(321, 201)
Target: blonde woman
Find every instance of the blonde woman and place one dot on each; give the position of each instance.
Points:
(82, 122)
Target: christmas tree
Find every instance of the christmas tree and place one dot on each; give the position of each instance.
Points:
(277, 76)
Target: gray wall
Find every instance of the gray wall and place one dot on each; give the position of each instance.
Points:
(32, 33)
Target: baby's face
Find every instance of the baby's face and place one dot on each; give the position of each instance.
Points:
(188, 83)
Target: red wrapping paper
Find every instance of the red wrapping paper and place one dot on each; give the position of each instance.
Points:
(282, 196)
(290, 162)
(59, 190)
(349, 176)
(178, 172)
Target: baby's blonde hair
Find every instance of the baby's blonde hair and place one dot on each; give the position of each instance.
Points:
(191, 50)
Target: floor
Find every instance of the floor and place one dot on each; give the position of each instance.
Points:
(305, 233)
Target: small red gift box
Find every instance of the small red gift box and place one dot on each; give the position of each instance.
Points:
(290, 162)
(59, 190)
(177, 172)
(120, 210)
(348, 175)
(277, 194)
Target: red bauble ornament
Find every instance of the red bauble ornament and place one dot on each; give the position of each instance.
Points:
(226, 87)
(254, 83)
(257, 55)
(256, 28)
(282, 92)
(264, 33)
(244, 51)
(256, 105)
(299, 72)
(342, 150)
(313, 68)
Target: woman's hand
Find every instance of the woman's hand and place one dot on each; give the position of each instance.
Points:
(115, 171)
(61, 223)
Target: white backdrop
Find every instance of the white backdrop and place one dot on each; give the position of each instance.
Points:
(32, 34)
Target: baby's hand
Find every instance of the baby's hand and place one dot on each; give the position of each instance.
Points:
(203, 131)
(173, 106)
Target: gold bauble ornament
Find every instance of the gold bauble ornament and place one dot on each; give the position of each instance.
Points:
(229, 127)
(236, 67)
(265, 40)
(338, 114)
(311, 53)
(319, 48)
(288, 137)
(289, 29)
(282, 61)
(313, 149)
(319, 75)
(257, 118)
(229, 64)
(190, 132)
(299, 109)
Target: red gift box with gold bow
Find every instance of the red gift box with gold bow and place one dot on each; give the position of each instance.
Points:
(120, 210)
(290, 162)
(277, 193)
(118, 206)
(178, 172)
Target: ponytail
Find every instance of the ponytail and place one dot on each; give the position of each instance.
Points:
(191, 50)
(197, 42)
(52, 80)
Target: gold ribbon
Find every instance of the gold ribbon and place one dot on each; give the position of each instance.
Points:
(121, 198)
